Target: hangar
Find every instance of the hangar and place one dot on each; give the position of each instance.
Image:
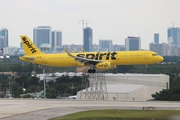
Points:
(126, 87)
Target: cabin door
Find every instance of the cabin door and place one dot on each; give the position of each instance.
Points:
(43, 59)
(145, 55)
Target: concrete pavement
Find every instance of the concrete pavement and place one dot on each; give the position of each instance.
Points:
(42, 109)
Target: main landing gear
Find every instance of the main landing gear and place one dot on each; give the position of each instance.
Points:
(91, 70)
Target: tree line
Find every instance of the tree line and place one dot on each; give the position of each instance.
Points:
(31, 84)
(63, 84)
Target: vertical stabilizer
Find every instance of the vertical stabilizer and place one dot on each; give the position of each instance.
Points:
(29, 47)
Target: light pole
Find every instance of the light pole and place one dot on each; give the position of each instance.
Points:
(72, 87)
(9, 86)
(0, 90)
(44, 83)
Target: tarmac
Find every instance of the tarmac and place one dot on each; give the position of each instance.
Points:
(44, 109)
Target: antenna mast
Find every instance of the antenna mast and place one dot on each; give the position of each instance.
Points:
(82, 22)
(173, 23)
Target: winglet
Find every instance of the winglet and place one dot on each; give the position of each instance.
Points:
(82, 50)
(69, 54)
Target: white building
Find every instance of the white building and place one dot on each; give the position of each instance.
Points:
(14, 51)
(134, 87)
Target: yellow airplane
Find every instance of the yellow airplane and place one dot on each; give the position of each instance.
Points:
(95, 60)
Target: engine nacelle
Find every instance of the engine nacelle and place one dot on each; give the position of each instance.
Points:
(103, 65)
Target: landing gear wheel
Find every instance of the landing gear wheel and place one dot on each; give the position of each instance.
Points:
(91, 71)
(146, 68)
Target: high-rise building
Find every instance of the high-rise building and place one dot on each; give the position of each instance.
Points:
(174, 32)
(73, 47)
(170, 46)
(156, 37)
(119, 47)
(161, 49)
(95, 47)
(56, 40)
(175, 51)
(42, 34)
(105, 45)
(154, 47)
(1, 42)
(133, 43)
(87, 39)
(3, 38)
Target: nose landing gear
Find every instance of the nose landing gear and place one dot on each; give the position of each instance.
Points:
(146, 68)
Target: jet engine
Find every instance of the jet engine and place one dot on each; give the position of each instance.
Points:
(103, 65)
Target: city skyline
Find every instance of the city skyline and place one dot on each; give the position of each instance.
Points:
(55, 43)
(115, 19)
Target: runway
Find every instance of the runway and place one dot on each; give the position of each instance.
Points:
(43, 109)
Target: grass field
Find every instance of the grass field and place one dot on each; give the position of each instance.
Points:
(122, 115)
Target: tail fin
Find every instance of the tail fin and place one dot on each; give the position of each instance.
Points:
(29, 47)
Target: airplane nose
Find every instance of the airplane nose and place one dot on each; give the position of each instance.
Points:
(161, 58)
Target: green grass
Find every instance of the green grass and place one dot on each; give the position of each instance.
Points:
(120, 115)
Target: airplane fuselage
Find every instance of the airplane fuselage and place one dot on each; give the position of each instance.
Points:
(115, 58)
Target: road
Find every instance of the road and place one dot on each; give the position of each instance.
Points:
(43, 109)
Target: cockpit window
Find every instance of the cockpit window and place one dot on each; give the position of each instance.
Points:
(154, 54)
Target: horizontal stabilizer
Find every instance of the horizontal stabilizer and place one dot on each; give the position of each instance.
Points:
(28, 57)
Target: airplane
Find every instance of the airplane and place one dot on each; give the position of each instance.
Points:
(95, 60)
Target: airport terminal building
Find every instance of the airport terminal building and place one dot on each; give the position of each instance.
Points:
(126, 87)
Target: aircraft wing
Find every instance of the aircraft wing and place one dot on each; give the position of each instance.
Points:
(83, 60)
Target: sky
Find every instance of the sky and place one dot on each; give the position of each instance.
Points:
(109, 19)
